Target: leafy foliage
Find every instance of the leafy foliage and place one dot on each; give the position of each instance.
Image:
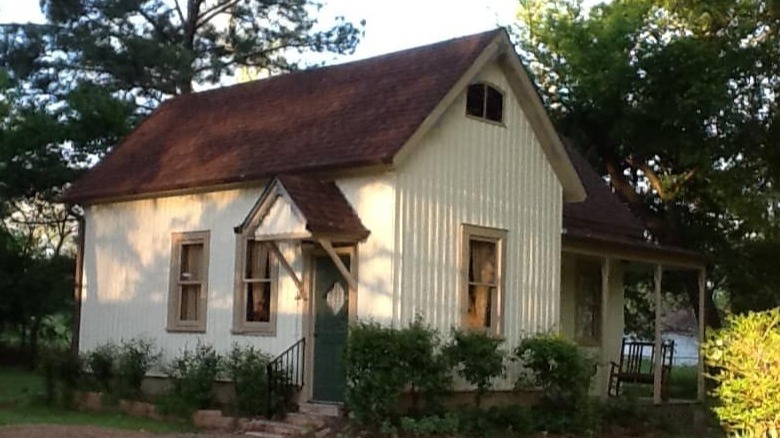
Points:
(564, 375)
(744, 357)
(381, 362)
(477, 357)
(62, 372)
(193, 373)
(675, 102)
(135, 358)
(101, 363)
(246, 367)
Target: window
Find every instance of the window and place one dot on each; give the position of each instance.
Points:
(188, 292)
(588, 303)
(482, 261)
(485, 101)
(256, 294)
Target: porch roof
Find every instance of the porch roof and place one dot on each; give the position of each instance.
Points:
(604, 222)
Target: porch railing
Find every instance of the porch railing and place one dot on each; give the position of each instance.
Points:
(284, 375)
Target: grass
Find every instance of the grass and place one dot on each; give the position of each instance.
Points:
(21, 402)
(682, 386)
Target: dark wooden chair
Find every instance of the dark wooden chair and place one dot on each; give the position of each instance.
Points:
(637, 359)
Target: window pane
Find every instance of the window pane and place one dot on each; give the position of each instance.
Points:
(188, 310)
(257, 260)
(588, 322)
(482, 266)
(258, 302)
(191, 261)
(480, 306)
(495, 105)
(475, 100)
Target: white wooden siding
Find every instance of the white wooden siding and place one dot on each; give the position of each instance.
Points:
(127, 259)
(373, 198)
(467, 171)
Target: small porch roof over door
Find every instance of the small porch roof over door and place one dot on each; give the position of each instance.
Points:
(302, 208)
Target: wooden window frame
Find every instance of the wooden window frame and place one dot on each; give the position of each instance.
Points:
(484, 118)
(175, 324)
(585, 269)
(240, 325)
(485, 234)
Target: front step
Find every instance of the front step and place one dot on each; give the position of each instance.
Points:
(321, 409)
(315, 422)
(274, 428)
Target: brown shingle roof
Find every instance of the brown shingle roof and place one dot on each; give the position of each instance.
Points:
(345, 116)
(326, 210)
(602, 213)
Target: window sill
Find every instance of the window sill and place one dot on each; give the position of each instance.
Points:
(484, 120)
(265, 331)
(185, 329)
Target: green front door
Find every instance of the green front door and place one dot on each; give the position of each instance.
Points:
(331, 307)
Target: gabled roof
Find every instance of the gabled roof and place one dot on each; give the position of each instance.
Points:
(602, 213)
(324, 120)
(320, 205)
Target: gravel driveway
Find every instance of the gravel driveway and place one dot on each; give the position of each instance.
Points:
(58, 431)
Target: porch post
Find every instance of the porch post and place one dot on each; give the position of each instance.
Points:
(701, 390)
(604, 356)
(657, 356)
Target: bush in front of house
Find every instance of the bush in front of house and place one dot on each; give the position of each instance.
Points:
(246, 367)
(477, 358)
(192, 375)
(381, 362)
(564, 374)
(135, 358)
(375, 375)
(101, 364)
(429, 376)
(744, 356)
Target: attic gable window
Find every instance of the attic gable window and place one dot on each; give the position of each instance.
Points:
(188, 294)
(485, 102)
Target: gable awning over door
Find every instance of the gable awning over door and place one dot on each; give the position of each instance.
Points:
(304, 209)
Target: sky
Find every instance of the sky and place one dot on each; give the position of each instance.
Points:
(390, 24)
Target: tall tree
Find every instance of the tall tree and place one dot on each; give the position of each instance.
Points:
(676, 102)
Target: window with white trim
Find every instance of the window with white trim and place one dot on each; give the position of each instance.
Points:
(188, 291)
(257, 290)
(588, 303)
(485, 102)
(482, 291)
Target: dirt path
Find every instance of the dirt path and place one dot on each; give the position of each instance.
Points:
(60, 431)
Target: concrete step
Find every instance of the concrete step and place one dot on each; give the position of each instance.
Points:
(264, 434)
(321, 409)
(275, 427)
(314, 422)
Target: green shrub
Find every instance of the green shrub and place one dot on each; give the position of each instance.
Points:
(62, 371)
(563, 373)
(428, 373)
(558, 367)
(246, 367)
(136, 357)
(446, 424)
(192, 375)
(101, 363)
(477, 358)
(745, 355)
(375, 375)
(382, 362)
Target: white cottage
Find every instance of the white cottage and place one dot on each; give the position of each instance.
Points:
(428, 181)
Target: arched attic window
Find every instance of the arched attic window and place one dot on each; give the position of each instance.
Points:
(485, 102)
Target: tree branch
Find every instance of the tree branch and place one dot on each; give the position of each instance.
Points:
(215, 10)
(155, 25)
(179, 11)
(652, 177)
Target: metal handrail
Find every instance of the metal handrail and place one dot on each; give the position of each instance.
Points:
(285, 373)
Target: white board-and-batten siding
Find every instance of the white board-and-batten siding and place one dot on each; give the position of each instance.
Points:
(127, 264)
(468, 171)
